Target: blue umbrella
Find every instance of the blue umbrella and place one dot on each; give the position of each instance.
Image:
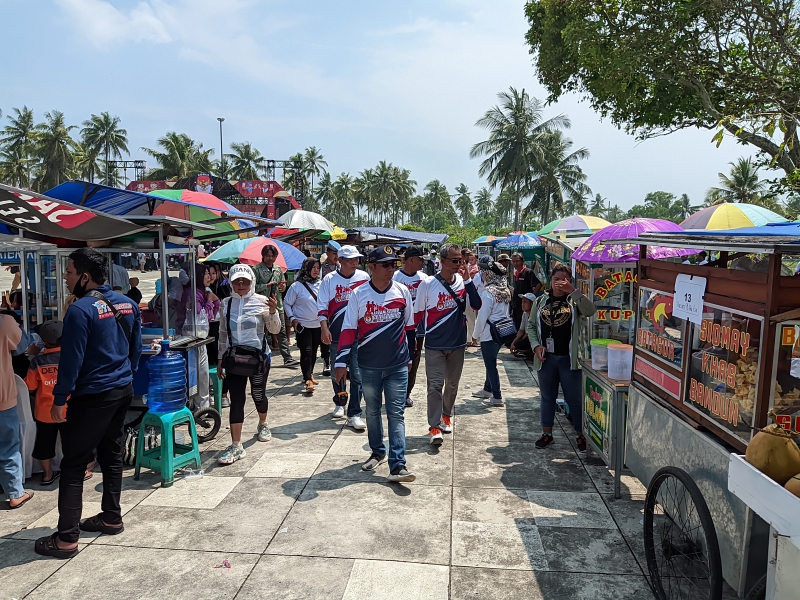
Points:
(519, 241)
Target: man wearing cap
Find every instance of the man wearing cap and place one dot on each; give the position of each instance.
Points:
(332, 261)
(441, 302)
(411, 276)
(334, 294)
(379, 321)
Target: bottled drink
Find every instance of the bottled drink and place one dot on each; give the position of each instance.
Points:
(166, 391)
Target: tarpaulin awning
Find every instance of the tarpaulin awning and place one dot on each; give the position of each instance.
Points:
(400, 235)
(55, 218)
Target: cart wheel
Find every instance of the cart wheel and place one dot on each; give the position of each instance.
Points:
(759, 590)
(680, 541)
(208, 422)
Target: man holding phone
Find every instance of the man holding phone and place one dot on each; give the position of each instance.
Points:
(271, 282)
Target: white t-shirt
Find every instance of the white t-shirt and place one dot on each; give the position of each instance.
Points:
(300, 305)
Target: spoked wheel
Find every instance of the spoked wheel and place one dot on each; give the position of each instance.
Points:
(208, 422)
(680, 541)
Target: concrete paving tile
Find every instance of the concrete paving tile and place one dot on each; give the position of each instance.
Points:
(303, 443)
(206, 492)
(21, 569)
(591, 551)
(570, 509)
(514, 465)
(603, 478)
(501, 546)
(319, 425)
(155, 574)
(345, 445)
(628, 514)
(490, 505)
(347, 467)
(349, 519)
(510, 429)
(244, 521)
(48, 524)
(285, 464)
(381, 580)
(297, 578)
(499, 584)
(12, 521)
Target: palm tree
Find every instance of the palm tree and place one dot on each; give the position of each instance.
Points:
(55, 145)
(341, 207)
(103, 133)
(557, 177)
(14, 169)
(180, 157)
(504, 208)
(84, 162)
(363, 189)
(244, 162)
(683, 208)
(437, 199)
(598, 207)
(615, 214)
(313, 164)
(742, 185)
(19, 139)
(516, 128)
(464, 204)
(483, 203)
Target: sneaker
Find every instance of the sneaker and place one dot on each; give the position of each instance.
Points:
(231, 455)
(481, 394)
(544, 441)
(356, 423)
(401, 474)
(338, 412)
(264, 434)
(446, 425)
(326, 370)
(436, 436)
(373, 462)
(409, 402)
(226, 402)
(292, 362)
(581, 443)
(492, 401)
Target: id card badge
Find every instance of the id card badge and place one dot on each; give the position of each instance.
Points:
(550, 345)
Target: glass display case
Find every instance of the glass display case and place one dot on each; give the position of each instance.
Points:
(659, 333)
(785, 396)
(611, 288)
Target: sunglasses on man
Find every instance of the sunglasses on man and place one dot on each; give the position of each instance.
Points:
(387, 264)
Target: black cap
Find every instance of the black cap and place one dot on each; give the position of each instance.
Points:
(412, 251)
(382, 254)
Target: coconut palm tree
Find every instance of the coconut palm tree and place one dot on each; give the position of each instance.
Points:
(363, 189)
(438, 200)
(463, 204)
(180, 156)
(576, 206)
(85, 163)
(598, 207)
(244, 162)
(313, 164)
(341, 207)
(483, 203)
(683, 208)
(19, 140)
(504, 208)
(14, 169)
(743, 184)
(102, 133)
(55, 146)
(516, 128)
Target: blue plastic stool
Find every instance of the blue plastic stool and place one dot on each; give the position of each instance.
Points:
(216, 388)
(169, 456)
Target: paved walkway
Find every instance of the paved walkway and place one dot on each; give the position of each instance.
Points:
(489, 516)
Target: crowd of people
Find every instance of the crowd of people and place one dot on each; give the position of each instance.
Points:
(368, 314)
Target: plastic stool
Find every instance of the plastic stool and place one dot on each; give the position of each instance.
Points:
(216, 388)
(169, 456)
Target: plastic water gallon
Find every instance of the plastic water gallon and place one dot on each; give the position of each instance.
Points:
(600, 353)
(166, 390)
(620, 361)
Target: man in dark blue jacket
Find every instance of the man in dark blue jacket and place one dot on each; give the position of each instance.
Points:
(100, 349)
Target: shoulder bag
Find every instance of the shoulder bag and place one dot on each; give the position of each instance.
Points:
(503, 330)
(462, 304)
(243, 360)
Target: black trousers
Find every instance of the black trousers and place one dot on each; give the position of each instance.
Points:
(308, 340)
(412, 374)
(325, 350)
(93, 421)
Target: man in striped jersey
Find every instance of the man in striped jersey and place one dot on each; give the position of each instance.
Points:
(411, 276)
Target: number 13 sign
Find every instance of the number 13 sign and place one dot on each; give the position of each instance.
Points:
(688, 302)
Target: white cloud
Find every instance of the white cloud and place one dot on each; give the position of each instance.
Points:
(101, 24)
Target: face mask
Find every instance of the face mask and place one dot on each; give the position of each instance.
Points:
(80, 288)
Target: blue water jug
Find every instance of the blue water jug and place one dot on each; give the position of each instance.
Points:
(166, 390)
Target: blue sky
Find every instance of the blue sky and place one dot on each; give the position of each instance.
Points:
(362, 80)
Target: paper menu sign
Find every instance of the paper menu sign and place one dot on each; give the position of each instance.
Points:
(688, 301)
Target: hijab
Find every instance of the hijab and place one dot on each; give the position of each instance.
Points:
(496, 285)
(305, 270)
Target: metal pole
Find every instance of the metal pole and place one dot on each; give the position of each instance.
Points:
(164, 282)
(221, 151)
(37, 270)
(23, 286)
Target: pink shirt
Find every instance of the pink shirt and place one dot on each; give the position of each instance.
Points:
(10, 336)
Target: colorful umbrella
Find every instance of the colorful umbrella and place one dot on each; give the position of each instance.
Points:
(575, 224)
(337, 234)
(519, 241)
(200, 207)
(249, 252)
(305, 219)
(596, 250)
(731, 216)
(486, 239)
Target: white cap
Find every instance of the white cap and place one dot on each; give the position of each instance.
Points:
(348, 252)
(241, 272)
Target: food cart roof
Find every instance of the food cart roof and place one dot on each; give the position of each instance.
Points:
(13, 243)
(165, 220)
(572, 242)
(386, 234)
(720, 241)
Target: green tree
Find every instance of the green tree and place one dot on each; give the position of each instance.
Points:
(103, 134)
(464, 204)
(438, 202)
(244, 162)
(313, 164)
(657, 67)
(14, 169)
(684, 208)
(615, 214)
(742, 185)
(363, 191)
(54, 149)
(598, 207)
(19, 140)
(516, 128)
(180, 156)
(657, 205)
(341, 208)
(483, 203)
(576, 206)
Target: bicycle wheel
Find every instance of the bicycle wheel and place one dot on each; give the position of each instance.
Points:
(680, 541)
(208, 422)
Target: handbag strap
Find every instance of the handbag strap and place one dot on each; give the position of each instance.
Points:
(117, 315)
(230, 333)
(462, 304)
(310, 291)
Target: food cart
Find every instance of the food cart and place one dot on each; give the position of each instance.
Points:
(559, 248)
(713, 354)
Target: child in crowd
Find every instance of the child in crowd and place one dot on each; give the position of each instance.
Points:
(134, 293)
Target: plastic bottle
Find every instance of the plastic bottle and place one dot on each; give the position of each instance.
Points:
(166, 391)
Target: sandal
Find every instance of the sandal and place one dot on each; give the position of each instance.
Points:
(21, 504)
(53, 477)
(95, 524)
(46, 546)
(88, 476)
(309, 387)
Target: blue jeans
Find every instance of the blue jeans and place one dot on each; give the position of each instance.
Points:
(489, 351)
(11, 476)
(392, 383)
(354, 374)
(555, 370)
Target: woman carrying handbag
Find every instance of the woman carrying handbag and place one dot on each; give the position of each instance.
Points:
(245, 319)
(300, 304)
